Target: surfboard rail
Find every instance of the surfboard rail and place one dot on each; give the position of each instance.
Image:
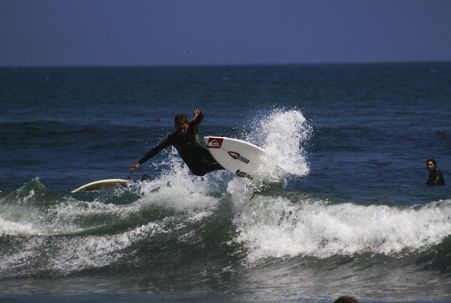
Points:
(101, 184)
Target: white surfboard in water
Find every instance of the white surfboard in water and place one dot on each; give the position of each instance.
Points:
(237, 156)
(101, 184)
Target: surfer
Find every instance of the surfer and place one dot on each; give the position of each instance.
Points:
(435, 175)
(185, 139)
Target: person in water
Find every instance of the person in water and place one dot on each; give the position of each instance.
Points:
(185, 139)
(435, 175)
(346, 299)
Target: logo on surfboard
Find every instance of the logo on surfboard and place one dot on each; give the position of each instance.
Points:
(242, 174)
(215, 142)
(237, 156)
(234, 155)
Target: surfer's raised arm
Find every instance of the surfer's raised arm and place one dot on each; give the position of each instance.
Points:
(198, 116)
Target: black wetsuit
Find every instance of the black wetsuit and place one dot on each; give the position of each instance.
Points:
(435, 178)
(198, 158)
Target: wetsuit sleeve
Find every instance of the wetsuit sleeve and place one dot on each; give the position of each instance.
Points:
(154, 151)
(197, 120)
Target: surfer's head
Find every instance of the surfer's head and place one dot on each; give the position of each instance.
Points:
(181, 123)
(431, 165)
(346, 299)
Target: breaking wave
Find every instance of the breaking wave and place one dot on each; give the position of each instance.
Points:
(217, 221)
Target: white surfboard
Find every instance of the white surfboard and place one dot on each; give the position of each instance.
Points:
(237, 156)
(101, 184)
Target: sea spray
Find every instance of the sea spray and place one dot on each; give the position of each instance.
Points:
(282, 134)
(178, 189)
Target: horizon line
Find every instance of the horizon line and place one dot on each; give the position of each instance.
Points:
(219, 64)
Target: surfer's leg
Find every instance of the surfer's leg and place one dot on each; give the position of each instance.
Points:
(209, 162)
(200, 168)
(202, 162)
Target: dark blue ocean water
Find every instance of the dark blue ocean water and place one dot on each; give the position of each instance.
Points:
(354, 217)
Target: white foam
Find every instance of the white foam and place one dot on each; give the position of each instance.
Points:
(178, 189)
(276, 227)
(175, 189)
(282, 134)
(15, 228)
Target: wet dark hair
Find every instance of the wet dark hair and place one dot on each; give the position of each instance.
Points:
(180, 119)
(346, 299)
(431, 160)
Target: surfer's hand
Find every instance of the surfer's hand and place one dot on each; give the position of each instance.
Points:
(196, 113)
(134, 166)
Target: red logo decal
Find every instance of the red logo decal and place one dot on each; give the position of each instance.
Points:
(215, 142)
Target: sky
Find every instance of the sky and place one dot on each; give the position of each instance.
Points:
(193, 32)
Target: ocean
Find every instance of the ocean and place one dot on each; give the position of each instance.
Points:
(353, 215)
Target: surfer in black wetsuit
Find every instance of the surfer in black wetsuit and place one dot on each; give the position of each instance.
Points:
(185, 139)
(435, 175)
